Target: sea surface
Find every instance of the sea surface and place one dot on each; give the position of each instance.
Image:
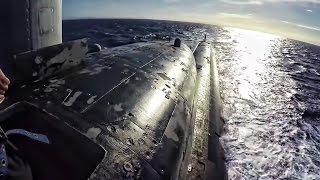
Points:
(269, 87)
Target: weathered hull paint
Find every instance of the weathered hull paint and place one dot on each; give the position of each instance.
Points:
(142, 103)
(206, 159)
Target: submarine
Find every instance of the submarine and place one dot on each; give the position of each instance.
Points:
(148, 110)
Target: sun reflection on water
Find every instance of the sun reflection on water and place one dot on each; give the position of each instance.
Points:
(252, 50)
(262, 138)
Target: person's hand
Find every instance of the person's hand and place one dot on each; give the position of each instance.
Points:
(4, 84)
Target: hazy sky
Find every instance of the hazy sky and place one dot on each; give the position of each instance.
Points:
(298, 19)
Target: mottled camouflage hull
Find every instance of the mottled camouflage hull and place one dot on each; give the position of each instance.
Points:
(153, 108)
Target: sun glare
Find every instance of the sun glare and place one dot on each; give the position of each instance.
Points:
(251, 64)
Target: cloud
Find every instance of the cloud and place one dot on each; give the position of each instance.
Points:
(309, 10)
(243, 2)
(287, 29)
(309, 27)
(260, 2)
(231, 15)
(303, 26)
(171, 1)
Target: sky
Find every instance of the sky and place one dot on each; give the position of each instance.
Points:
(297, 19)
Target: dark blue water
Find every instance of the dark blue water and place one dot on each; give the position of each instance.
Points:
(269, 87)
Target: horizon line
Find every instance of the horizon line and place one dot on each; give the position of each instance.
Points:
(169, 20)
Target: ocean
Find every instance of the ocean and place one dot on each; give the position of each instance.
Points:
(269, 87)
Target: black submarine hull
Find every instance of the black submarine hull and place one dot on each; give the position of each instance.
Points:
(152, 108)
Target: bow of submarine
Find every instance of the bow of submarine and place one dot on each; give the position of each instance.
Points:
(141, 103)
